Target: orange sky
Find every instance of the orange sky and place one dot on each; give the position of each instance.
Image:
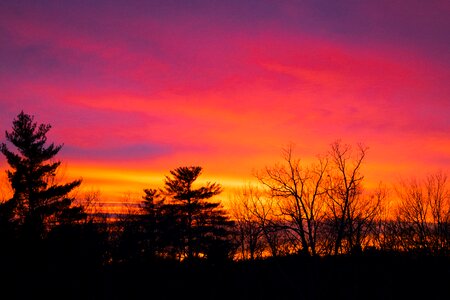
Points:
(135, 89)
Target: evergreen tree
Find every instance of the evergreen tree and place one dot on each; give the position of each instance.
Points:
(203, 226)
(39, 202)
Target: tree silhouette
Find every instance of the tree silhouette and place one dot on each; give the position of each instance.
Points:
(352, 212)
(143, 236)
(423, 215)
(39, 202)
(300, 192)
(248, 209)
(203, 226)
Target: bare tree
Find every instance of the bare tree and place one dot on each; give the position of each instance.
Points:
(347, 211)
(90, 200)
(369, 217)
(382, 225)
(299, 191)
(423, 214)
(249, 233)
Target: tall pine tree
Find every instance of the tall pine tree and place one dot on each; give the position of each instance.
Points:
(204, 226)
(39, 203)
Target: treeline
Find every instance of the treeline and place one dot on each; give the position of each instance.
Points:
(306, 229)
(322, 208)
(316, 209)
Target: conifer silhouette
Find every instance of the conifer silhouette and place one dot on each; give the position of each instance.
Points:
(39, 202)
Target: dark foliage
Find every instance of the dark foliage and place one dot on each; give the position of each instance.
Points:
(46, 239)
(38, 203)
(179, 222)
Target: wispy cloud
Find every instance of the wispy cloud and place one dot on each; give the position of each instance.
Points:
(151, 85)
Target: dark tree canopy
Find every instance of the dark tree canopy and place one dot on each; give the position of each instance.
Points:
(182, 222)
(203, 223)
(179, 186)
(38, 202)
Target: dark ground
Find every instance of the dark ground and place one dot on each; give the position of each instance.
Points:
(374, 276)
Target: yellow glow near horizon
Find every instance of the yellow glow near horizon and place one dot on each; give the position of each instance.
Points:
(117, 184)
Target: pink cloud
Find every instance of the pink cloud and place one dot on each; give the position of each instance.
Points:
(229, 87)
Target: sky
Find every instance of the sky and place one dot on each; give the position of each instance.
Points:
(134, 89)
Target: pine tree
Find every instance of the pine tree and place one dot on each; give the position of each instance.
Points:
(38, 203)
(203, 225)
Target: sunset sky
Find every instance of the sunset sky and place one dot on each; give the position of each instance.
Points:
(136, 88)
